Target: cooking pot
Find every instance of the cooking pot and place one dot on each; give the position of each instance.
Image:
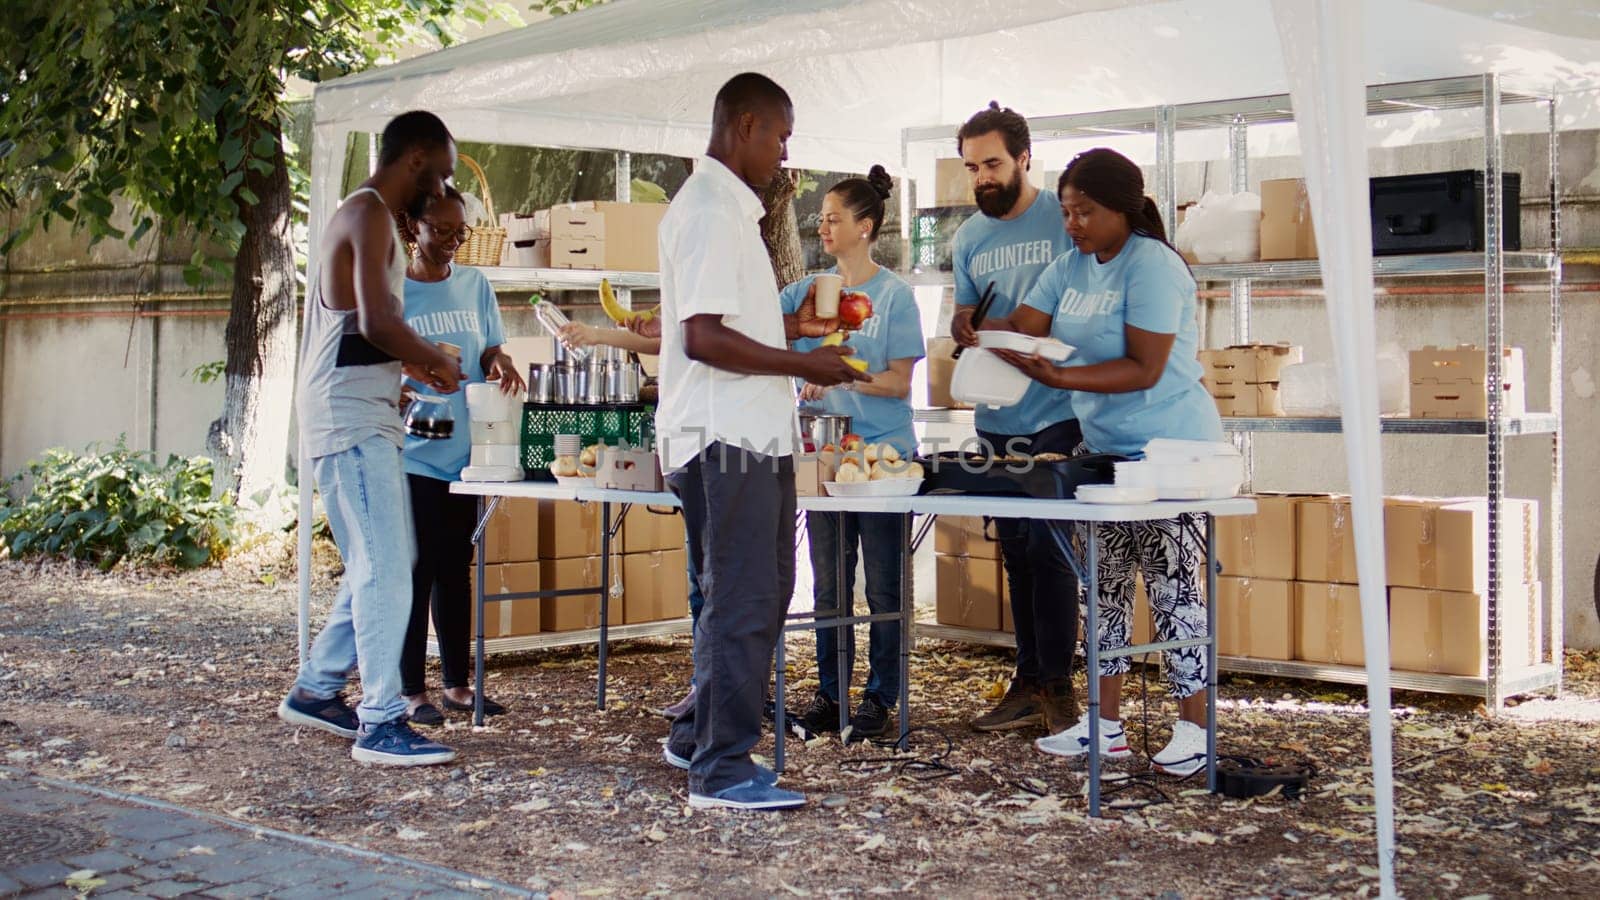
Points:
(819, 429)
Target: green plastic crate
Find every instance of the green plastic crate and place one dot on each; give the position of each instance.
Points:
(613, 425)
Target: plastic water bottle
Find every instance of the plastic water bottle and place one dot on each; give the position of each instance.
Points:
(553, 321)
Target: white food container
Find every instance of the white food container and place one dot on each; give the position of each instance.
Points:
(983, 378)
(883, 487)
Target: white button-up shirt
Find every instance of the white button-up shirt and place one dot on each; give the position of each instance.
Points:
(713, 262)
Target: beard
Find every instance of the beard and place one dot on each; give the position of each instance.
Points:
(996, 201)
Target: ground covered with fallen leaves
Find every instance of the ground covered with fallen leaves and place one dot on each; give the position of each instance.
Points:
(164, 685)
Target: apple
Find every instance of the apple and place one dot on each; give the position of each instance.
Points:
(854, 308)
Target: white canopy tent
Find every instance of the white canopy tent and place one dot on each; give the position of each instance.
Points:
(639, 75)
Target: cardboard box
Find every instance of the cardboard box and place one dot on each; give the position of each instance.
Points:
(969, 592)
(941, 368)
(579, 612)
(1465, 363)
(605, 235)
(1246, 399)
(1248, 363)
(1464, 401)
(1447, 632)
(1286, 228)
(965, 536)
(628, 470)
(655, 586)
(1327, 623)
(1449, 383)
(813, 471)
(646, 529)
(1144, 622)
(530, 349)
(1255, 618)
(952, 185)
(528, 254)
(509, 617)
(1325, 546)
(568, 530)
(513, 532)
(1260, 545)
(534, 226)
(1443, 544)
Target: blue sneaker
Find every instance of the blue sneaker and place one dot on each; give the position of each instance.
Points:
(332, 715)
(750, 794)
(394, 743)
(679, 761)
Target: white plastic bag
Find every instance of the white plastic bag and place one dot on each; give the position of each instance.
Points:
(1312, 389)
(1222, 228)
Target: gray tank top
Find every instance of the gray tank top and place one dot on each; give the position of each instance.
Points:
(349, 389)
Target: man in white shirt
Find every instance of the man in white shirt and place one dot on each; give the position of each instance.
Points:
(726, 432)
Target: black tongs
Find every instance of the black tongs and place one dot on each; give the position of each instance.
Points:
(979, 314)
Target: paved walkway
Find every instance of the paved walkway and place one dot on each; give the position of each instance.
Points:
(50, 830)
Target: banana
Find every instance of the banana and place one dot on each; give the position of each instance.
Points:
(608, 302)
(856, 362)
(616, 311)
(834, 339)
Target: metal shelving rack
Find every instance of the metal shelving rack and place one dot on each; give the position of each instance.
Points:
(1484, 92)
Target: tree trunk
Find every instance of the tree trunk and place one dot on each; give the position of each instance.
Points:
(781, 231)
(250, 442)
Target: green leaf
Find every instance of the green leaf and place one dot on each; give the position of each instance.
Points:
(249, 197)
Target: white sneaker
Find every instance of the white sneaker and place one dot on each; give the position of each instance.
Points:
(1185, 754)
(1075, 740)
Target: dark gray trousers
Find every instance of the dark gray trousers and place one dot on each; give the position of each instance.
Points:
(739, 511)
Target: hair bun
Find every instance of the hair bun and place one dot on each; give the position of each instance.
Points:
(994, 105)
(881, 181)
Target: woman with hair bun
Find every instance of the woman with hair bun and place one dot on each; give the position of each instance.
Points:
(1125, 299)
(880, 412)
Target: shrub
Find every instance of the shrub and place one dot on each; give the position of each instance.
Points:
(112, 503)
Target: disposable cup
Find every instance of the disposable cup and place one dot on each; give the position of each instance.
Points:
(827, 301)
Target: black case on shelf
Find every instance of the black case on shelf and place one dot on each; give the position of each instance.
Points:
(1440, 212)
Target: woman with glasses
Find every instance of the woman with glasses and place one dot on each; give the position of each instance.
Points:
(453, 304)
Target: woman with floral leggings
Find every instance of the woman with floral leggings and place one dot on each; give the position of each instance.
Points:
(1125, 300)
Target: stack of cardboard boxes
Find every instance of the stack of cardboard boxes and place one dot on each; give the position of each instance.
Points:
(605, 235)
(1288, 589)
(546, 545)
(971, 581)
(1243, 379)
(1450, 383)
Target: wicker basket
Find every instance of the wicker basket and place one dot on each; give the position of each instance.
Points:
(488, 237)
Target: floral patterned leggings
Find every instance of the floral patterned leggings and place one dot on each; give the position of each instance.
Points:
(1171, 557)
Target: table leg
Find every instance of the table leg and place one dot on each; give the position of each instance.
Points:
(1091, 653)
(1211, 654)
(605, 600)
(477, 601)
(907, 634)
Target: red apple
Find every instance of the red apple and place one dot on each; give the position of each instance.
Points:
(854, 308)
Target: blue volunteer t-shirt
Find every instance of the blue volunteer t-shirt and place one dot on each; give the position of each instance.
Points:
(1146, 285)
(1012, 253)
(893, 332)
(460, 310)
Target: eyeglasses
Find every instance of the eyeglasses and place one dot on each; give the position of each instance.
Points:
(462, 234)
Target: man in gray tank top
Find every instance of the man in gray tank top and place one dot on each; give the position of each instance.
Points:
(355, 346)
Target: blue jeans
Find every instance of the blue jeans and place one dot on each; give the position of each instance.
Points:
(369, 509)
(880, 538)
